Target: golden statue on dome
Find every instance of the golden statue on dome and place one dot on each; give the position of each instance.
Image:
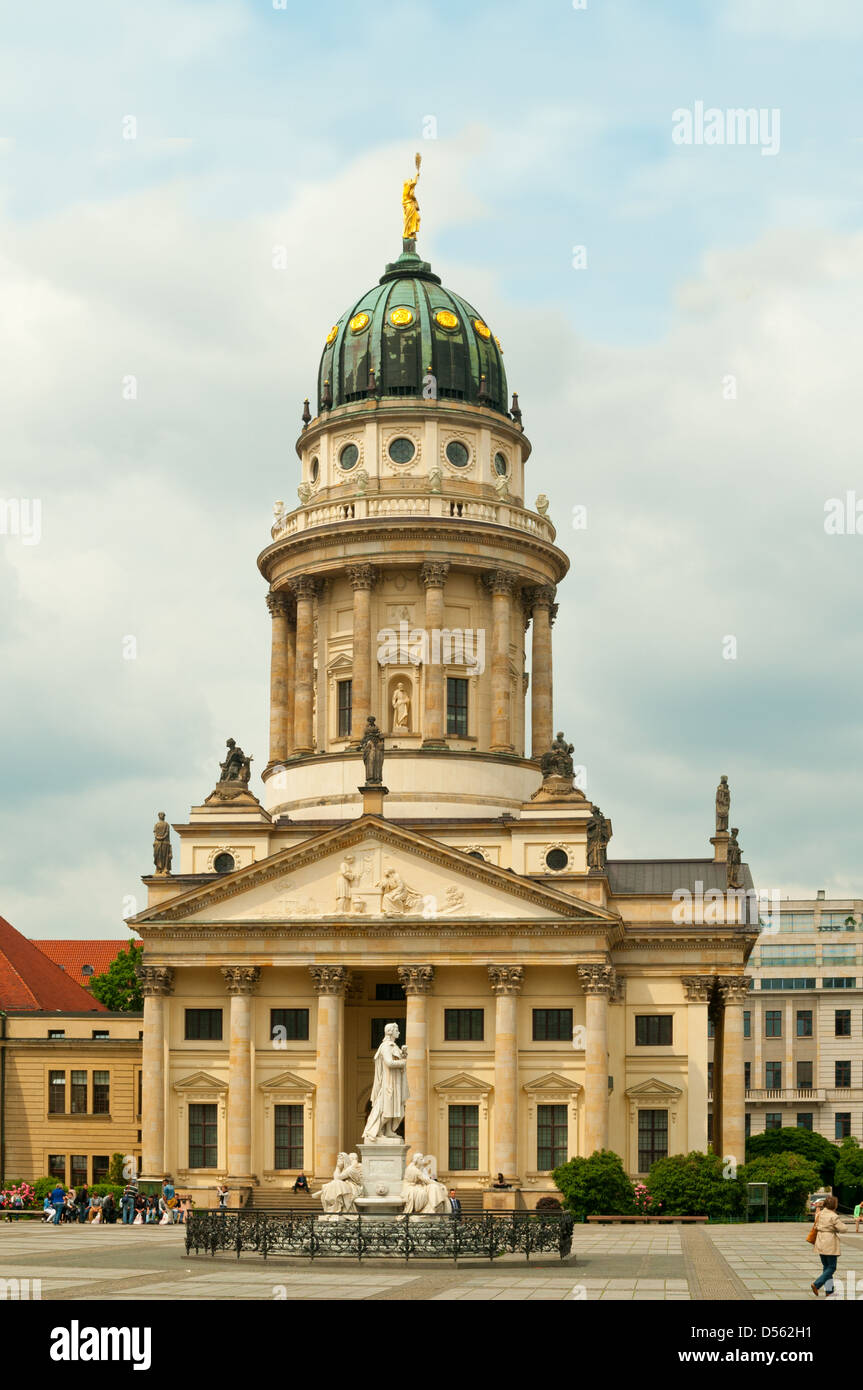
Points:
(410, 205)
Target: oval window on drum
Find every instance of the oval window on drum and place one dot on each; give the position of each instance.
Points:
(457, 454)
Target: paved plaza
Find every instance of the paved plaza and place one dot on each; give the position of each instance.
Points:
(611, 1263)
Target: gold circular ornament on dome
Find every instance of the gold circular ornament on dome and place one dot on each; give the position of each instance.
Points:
(482, 328)
(401, 317)
(333, 334)
(359, 322)
(446, 318)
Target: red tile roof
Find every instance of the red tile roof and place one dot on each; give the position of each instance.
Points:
(72, 956)
(29, 980)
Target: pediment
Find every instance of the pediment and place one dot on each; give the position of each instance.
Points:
(200, 1081)
(653, 1090)
(462, 1081)
(286, 1081)
(374, 871)
(553, 1081)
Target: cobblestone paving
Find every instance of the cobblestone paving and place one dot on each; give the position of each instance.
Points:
(612, 1264)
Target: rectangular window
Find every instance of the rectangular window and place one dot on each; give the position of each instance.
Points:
(710, 1126)
(78, 1093)
(57, 1096)
(653, 1030)
(101, 1034)
(101, 1164)
(57, 1166)
(747, 1125)
(140, 1093)
(293, 1025)
(747, 1023)
(804, 1023)
(101, 1092)
(773, 1075)
(552, 1025)
(773, 1023)
(551, 1137)
(843, 1074)
(788, 982)
(804, 1075)
(464, 1138)
(463, 1025)
(773, 1119)
(747, 1075)
(710, 1076)
(56, 1033)
(203, 1025)
(345, 690)
(839, 982)
(378, 1026)
(385, 991)
(77, 1170)
(456, 707)
(289, 1137)
(652, 1137)
(203, 1135)
(804, 1119)
(842, 1023)
(842, 1128)
(711, 1027)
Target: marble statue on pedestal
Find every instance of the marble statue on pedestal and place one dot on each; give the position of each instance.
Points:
(390, 1089)
(416, 1186)
(339, 1196)
(437, 1201)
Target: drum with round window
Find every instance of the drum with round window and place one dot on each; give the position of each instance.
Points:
(223, 863)
(349, 457)
(457, 454)
(401, 450)
(557, 859)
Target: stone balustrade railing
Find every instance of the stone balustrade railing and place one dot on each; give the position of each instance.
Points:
(360, 507)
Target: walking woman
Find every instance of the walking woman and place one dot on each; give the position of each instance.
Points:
(827, 1228)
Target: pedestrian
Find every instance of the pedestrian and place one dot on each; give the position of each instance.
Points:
(301, 1184)
(827, 1229)
(151, 1214)
(83, 1203)
(70, 1209)
(127, 1202)
(223, 1196)
(454, 1203)
(48, 1209)
(57, 1198)
(109, 1210)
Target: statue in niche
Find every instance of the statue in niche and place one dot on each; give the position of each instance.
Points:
(372, 749)
(401, 709)
(723, 804)
(598, 836)
(236, 767)
(557, 762)
(734, 869)
(162, 852)
(347, 876)
(339, 1196)
(390, 1089)
(396, 898)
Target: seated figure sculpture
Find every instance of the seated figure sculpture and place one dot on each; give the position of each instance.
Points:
(437, 1198)
(339, 1196)
(416, 1187)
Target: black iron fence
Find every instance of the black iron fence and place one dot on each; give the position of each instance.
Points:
(446, 1237)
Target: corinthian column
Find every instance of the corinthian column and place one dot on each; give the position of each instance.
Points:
(698, 989)
(362, 579)
(734, 990)
(506, 982)
(501, 583)
(597, 981)
(305, 589)
(157, 981)
(541, 602)
(433, 575)
(329, 982)
(416, 981)
(279, 607)
(241, 982)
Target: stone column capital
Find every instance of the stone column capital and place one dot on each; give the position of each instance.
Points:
(506, 979)
(305, 586)
(362, 576)
(698, 988)
(500, 581)
(241, 979)
(329, 979)
(416, 979)
(434, 572)
(597, 979)
(552, 613)
(734, 989)
(155, 980)
(539, 596)
(279, 604)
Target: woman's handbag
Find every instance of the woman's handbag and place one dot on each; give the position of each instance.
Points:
(813, 1234)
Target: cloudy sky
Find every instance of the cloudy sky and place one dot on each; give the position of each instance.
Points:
(691, 377)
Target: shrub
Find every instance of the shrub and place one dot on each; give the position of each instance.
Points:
(115, 1168)
(848, 1178)
(43, 1187)
(645, 1203)
(547, 1204)
(806, 1142)
(790, 1178)
(101, 1189)
(595, 1186)
(694, 1184)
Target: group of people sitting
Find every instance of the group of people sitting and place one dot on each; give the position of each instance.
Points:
(136, 1208)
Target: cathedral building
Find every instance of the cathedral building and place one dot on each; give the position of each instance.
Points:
(551, 1000)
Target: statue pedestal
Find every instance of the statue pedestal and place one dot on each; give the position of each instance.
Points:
(384, 1164)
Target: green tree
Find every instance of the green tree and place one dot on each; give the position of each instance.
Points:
(848, 1177)
(806, 1142)
(790, 1178)
(595, 1186)
(694, 1184)
(119, 989)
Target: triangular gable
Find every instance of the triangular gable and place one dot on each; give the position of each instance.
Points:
(441, 882)
(462, 1081)
(200, 1081)
(552, 1081)
(653, 1089)
(286, 1081)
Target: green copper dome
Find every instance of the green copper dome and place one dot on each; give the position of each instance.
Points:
(405, 327)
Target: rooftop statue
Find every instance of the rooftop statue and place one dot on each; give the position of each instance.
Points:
(557, 762)
(723, 804)
(236, 767)
(372, 749)
(410, 206)
(162, 853)
(733, 864)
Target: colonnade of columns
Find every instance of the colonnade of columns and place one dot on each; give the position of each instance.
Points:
(292, 660)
